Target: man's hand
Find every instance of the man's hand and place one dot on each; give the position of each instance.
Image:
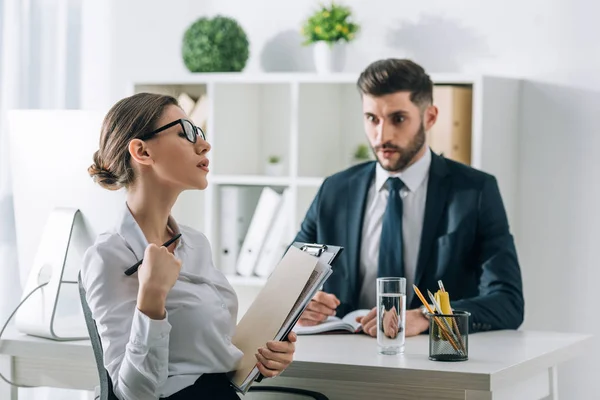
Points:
(414, 325)
(320, 307)
(369, 322)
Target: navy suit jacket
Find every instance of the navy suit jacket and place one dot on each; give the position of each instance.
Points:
(466, 241)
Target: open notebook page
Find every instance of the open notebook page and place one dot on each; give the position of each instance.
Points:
(348, 323)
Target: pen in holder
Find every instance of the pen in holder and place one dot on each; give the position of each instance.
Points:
(449, 336)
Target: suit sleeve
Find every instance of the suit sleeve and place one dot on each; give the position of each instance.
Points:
(308, 228)
(500, 303)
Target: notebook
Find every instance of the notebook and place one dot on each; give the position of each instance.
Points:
(335, 325)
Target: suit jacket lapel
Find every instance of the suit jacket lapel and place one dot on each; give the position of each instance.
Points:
(358, 187)
(437, 193)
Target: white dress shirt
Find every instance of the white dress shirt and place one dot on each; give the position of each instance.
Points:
(413, 195)
(146, 358)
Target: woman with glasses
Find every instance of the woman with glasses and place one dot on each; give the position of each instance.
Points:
(166, 329)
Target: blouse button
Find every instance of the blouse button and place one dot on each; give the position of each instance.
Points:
(223, 306)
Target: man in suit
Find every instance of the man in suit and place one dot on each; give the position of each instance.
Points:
(414, 214)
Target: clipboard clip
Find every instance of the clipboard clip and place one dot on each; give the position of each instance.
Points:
(314, 249)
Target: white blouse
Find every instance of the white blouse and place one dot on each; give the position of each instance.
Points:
(146, 358)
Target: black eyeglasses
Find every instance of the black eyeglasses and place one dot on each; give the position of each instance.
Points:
(191, 131)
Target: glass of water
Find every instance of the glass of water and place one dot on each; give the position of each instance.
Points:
(391, 310)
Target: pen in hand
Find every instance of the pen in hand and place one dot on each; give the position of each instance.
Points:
(133, 269)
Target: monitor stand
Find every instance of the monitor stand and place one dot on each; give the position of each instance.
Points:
(42, 314)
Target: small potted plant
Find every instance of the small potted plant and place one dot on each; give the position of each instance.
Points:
(274, 166)
(216, 44)
(361, 154)
(328, 30)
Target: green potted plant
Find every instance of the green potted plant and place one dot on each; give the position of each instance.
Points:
(328, 30)
(361, 154)
(274, 166)
(216, 44)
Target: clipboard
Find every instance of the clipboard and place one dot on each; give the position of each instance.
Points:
(327, 254)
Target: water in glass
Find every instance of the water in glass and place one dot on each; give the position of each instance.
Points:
(391, 310)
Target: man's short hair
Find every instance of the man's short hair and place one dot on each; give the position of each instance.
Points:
(397, 75)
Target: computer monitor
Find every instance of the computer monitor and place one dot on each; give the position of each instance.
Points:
(50, 152)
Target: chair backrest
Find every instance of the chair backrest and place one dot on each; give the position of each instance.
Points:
(106, 388)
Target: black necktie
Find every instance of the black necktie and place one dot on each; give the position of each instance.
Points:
(391, 261)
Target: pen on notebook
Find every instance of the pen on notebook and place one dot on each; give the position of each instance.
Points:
(133, 269)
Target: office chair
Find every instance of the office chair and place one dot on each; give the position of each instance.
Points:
(106, 386)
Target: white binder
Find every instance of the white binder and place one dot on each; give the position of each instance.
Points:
(277, 240)
(237, 204)
(261, 223)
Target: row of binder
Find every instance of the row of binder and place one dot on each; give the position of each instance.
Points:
(254, 229)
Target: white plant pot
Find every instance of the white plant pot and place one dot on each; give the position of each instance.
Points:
(274, 169)
(329, 58)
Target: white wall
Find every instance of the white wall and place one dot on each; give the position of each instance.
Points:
(552, 44)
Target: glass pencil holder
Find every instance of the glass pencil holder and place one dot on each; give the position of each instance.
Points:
(449, 336)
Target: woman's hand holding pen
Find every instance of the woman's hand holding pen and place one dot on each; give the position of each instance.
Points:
(276, 356)
(157, 275)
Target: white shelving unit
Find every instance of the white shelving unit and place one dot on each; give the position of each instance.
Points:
(314, 122)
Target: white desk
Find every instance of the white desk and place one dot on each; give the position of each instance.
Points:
(502, 365)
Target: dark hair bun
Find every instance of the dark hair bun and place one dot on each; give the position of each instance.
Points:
(103, 176)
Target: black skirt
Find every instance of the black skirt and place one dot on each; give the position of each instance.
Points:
(208, 386)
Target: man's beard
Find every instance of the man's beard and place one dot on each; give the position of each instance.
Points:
(407, 154)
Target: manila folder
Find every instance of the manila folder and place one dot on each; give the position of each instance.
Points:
(269, 310)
